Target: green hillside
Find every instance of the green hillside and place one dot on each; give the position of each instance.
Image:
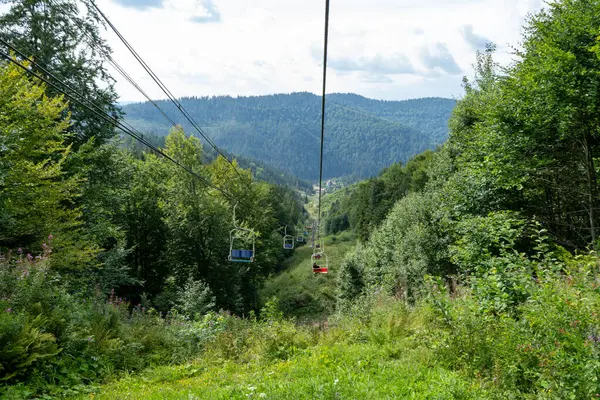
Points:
(363, 135)
(466, 272)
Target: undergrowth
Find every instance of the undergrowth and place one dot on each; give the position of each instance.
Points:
(546, 345)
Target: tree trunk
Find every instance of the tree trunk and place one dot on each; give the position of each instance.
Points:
(591, 181)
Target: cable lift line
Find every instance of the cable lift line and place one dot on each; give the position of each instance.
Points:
(319, 260)
(164, 88)
(326, 42)
(243, 236)
(127, 77)
(236, 234)
(98, 111)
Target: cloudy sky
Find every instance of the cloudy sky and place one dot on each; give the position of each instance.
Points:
(384, 49)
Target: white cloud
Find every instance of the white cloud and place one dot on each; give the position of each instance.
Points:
(380, 48)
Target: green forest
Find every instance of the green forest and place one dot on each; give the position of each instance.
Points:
(465, 271)
(283, 130)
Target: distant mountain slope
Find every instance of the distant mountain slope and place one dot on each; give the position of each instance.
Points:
(429, 115)
(362, 135)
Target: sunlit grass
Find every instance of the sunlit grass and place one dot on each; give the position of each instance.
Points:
(400, 369)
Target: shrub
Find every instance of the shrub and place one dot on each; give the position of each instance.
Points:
(545, 347)
(195, 299)
(23, 343)
(86, 337)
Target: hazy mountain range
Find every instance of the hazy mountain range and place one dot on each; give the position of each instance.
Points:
(362, 135)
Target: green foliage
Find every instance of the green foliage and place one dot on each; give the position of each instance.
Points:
(410, 243)
(299, 293)
(195, 299)
(23, 344)
(283, 130)
(482, 238)
(350, 279)
(500, 215)
(522, 148)
(55, 341)
(365, 205)
(64, 37)
(379, 355)
(140, 228)
(543, 348)
(36, 195)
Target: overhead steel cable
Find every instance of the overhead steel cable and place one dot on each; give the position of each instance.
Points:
(101, 113)
(103, 52)
(164, 88)
(323, 113)
(128, 77)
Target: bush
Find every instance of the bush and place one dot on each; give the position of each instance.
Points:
(23, 344)
(545, 347)
(408, 245)
(87, 337)
(195, 299)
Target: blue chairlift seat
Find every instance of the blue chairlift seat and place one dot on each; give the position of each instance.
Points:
(241, 255)
(288, 242)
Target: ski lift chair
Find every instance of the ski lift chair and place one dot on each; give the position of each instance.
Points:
(288, 240)
(240, 241)
(319, 260)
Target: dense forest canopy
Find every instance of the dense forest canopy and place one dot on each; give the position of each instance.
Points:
(363, 135)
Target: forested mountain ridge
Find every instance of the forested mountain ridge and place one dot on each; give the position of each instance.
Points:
(362, 135)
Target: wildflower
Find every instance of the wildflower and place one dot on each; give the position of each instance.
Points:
(44, 245)
(29, 257)
(594, 338)
(336, 381)
(50, 237)
(20, 250)
(8, 310)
